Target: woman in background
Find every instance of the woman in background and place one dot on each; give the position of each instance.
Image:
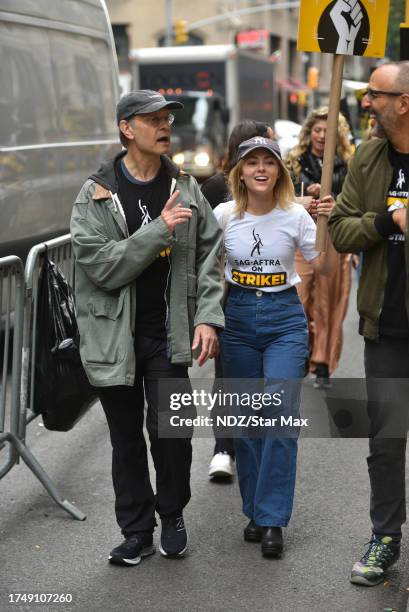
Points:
(325, 299)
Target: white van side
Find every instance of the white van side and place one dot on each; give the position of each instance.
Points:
(58, 91)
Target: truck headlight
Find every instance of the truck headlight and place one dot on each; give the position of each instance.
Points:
(202, 159)
(179, 159)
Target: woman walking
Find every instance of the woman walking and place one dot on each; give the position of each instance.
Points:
(266, 333)
(216, 190)
(325, 299)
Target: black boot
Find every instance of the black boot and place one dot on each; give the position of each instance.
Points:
(272, 542)
(252, 533)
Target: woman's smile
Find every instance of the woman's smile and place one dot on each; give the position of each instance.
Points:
(260, 171)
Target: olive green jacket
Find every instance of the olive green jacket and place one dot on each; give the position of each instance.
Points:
(352, 228)
(108, 260)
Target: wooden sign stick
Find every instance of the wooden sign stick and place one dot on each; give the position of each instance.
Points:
(330, 147)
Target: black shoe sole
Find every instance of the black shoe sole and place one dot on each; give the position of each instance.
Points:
(219, 476)
(273, 551)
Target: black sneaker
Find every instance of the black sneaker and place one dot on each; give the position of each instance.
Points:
(173, 539)
(381, 554)
(132, 549)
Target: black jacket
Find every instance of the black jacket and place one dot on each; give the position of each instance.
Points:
(311, 169)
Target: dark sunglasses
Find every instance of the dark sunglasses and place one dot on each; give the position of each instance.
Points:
(375, 93)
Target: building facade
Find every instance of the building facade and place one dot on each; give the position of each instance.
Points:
(143, 23)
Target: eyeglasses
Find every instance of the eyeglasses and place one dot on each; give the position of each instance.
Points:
(376, 93)
(156, 121)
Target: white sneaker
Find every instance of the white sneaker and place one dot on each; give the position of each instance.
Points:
(221, 466)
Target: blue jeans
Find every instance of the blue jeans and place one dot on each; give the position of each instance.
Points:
(266, 336)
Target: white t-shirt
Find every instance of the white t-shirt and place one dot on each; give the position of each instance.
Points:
(260, 249)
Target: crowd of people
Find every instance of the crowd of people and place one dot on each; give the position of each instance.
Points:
(148, 254)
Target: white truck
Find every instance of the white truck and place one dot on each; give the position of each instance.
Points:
(58, 90)
(219, 85)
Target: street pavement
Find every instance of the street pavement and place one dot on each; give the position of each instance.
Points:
(43, 550)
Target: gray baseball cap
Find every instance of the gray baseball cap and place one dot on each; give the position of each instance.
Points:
(258, 142)
(141, 102)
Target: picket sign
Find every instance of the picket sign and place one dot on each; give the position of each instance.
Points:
(340, 27)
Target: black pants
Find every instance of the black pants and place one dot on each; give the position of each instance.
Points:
(388, 409)
(135, 502)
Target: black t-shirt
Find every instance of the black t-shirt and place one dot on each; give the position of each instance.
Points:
(142, 203)
(394, 319)
(216, 190)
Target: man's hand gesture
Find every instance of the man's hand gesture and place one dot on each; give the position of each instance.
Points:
(172, 214)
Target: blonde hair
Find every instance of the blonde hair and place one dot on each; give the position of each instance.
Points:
(283, 193)
(345, 150)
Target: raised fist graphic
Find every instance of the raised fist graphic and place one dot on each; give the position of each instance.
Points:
(346, 15)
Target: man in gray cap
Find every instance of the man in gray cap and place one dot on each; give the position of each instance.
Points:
(148, 293)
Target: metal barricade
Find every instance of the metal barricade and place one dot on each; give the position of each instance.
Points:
(58, 250)
(11, 328)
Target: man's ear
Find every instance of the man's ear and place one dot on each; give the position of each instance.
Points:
(403, 104)
(126, 129)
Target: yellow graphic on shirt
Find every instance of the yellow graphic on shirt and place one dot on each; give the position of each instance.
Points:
(165, 252)
(249, 279)
(397, 202)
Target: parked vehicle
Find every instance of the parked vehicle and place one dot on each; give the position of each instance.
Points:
(58, 90)
(218, 84)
